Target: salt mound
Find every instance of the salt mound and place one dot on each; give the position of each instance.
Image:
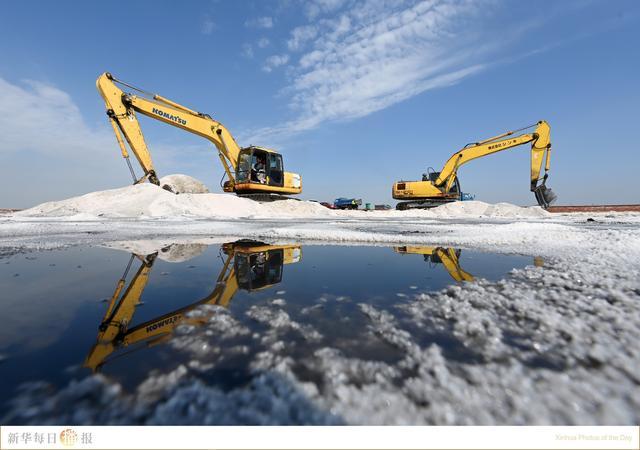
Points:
(482, 209)
(194, 200)
(149, 200)
(184, 184)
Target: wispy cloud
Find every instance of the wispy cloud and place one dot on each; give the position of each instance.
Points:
(247, 50)
(315, 8)
(275, 61)
(36, 106)
(208, 25)
(259, 22)
(263, 42)
(360, 56)
(43, 133)
(301, 35)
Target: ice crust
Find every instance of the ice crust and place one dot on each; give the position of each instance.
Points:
(546, 345)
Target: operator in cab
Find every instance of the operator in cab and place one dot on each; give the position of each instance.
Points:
(259, 169)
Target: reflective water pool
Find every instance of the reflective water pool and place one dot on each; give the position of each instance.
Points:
(69, 313)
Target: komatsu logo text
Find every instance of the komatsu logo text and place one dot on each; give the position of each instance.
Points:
(171, 117)
(163, 323)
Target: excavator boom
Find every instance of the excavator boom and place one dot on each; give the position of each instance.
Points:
(442, 187)
(448, 257)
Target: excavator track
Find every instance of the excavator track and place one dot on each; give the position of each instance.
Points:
(422, 204)
(266, 198)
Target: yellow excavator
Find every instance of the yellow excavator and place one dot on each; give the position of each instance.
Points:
(249, 265)
(254, 172)
(437, 188)
(448, 257)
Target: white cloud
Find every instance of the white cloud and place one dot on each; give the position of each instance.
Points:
(208, 25)
(42, 119)
(259, 22)
(300, 36)
(52, 151)
(275, 61)
(247, 50)
(374, 53)
(263, 42)
(315, 8)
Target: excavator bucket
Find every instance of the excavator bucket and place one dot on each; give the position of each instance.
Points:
(544, 196)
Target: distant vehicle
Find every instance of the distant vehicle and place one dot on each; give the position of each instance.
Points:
(347, 203)
(465, 196)
(382, 207)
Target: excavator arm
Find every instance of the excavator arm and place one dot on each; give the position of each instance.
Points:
(540, 144)
(157, 329)
(122, 109)
(120, 311)
(448, 257)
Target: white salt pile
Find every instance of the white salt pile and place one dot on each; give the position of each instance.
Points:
(194, 200)
(184, 184)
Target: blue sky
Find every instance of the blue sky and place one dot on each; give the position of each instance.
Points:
(355, 93)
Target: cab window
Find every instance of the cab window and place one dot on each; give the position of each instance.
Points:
(244, 167)
(276, 176)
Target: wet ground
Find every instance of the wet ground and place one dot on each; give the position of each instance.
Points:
(220, 311)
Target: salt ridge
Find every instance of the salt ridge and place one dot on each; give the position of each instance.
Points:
(150, 201)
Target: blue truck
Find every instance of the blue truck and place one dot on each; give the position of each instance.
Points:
(347, 203)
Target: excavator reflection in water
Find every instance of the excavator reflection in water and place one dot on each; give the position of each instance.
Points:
(448, 257)
(249, 265)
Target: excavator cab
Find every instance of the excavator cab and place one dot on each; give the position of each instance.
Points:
(261, 166)
(259, 270)
(436, 257)
(432, 176)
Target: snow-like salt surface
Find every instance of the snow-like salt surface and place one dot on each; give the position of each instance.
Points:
(552, 345)
(147, 201)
